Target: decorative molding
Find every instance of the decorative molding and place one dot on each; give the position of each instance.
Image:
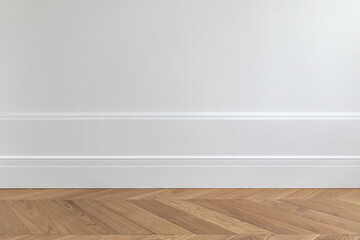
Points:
(49, 150)
(179, 172)
(180, 137)
(184, 116)
(173, 161)
(182, 157)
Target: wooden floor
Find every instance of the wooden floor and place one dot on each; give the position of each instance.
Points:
(196, 214)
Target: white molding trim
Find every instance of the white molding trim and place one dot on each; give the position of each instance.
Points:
(183, 116)
(182, 158)
(179, 172)
(179, 137)
(173, 161)
(169, 150)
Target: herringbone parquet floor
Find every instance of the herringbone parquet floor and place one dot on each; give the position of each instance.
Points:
(179, 214)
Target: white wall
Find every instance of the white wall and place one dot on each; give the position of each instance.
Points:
(188, 79)
(179, 55)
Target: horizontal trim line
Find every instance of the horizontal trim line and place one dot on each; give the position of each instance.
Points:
(178, 157)
(184, 116)
(203, 161)
(179, 163)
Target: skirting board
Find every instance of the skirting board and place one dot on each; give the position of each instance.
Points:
(179, 150)
(180, 134)
(179, 172)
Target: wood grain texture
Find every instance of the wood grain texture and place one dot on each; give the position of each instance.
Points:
(179, 214)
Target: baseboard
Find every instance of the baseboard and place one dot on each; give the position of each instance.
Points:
(179, 172)
(179, 134)
(158, 150)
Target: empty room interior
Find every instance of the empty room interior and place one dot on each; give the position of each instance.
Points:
(179, 120)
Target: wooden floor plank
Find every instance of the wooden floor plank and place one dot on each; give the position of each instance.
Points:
(341, 222)
(259, 220)
(109, 219)
(168, 237)
(180, 214)
(338, 237)
(9, 222)
(230, 193)
(296, 237)
(229, 223)
(343, 205)
(319, 217)
(181, 237)
(36, 218)
(193, 224)
(127, 194)
(41, 194)
(337, 208)
(146, 219)
(177, 194)
(74, 220)
(341, 226)
(74, 237)
(333, 194)
(283, 216)
(272, 194)
(210, 237)
(251, 237)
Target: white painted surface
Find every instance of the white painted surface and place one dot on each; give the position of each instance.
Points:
(179, 173)
(180, 136)
(179, 56)
(179, 80)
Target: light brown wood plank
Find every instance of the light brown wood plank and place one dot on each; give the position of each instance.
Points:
(343, 205)
(180, 237)
(333, 194)
(74, 237)
(155, 194)
(352, 196)
(210, 237)
(175, 194)
(127, 194)
(283, 216)
(196, 214)
(337, 208)
(38, 194)
(168, 237)
(193, 224)
(35, 218)
(338, 237)
(295, 237)
(232, 224)
(251, 237)
(76, 221)
(146, 219)
(301, 194)
(272, 194)
(341, 222)
(19, 194)
(108, 218)
(342, 226)
(9, 222)
(259, 220)
(309, 214)
(230, 193)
